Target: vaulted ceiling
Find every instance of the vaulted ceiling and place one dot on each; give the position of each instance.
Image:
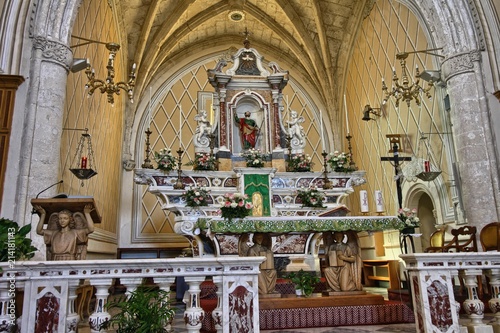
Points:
(310, 38)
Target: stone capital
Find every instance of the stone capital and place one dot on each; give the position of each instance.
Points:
(459, 63)
(54, 51)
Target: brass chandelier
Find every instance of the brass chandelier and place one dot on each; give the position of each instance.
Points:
(406, 91)
(108, 85)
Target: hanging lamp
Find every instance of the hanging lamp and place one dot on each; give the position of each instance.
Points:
(84, 160)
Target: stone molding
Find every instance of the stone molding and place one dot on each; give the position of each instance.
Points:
(460, 63)
(54, 51)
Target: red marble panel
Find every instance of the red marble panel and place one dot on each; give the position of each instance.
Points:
(47, 314)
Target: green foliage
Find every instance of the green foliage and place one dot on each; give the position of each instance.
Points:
(14, 243)
(146, 310)
(304, 280)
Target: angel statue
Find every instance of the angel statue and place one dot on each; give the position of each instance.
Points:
(203, 130)
(66, 235)
(344, 261)
(295, 130)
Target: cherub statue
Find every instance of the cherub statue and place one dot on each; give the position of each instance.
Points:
(203, 129)
(344, 261)
(295, 130)
(66, 235)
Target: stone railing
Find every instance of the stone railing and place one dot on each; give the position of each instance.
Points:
(431, 277)
(50, 290)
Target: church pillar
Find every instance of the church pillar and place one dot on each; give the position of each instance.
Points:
(40, 150)
(473, 137)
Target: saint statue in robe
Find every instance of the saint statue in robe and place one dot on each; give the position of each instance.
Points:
(248, 130)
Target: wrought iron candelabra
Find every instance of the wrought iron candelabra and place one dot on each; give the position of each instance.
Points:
(327, 184)
(179, 185)
(147, 162)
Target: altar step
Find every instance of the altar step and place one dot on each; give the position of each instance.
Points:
(331, 311)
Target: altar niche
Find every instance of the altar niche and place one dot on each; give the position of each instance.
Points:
(249, 116)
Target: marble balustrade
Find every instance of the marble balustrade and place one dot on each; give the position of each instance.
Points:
(431, 278)
(50, 290)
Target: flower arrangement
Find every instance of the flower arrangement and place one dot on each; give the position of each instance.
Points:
(234, 205)
(311, 197)
(300, 163)
(254, 158)
(166, 161)
(338, 162)
(195, 197)
(203, 161)
(410, 219)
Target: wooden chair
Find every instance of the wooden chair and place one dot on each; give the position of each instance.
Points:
(464, 240)
(490, 237)
(436, 241)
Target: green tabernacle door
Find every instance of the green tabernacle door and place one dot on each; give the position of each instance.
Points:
(257, 189)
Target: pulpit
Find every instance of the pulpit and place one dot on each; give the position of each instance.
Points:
(68, 221)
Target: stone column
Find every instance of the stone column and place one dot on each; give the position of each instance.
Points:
(194, 314)
(40, 150)
(473, 137)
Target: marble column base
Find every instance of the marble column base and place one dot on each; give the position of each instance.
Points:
(476, 329)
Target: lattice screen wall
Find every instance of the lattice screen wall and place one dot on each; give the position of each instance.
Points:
(104, 122)
(391, 28)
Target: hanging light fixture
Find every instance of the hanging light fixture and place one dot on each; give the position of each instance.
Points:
(84, 161)
(108, 85)
(406, 91)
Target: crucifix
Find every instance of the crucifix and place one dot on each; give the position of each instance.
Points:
(395, 141)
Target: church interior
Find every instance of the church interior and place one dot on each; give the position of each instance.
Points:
(356, 140)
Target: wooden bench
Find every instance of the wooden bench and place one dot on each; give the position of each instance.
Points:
(381, 270)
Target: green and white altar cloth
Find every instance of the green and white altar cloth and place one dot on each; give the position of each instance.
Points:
(299, 224)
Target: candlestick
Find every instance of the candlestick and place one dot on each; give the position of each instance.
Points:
(147, 162)
(379, 201)
(363, 198)
(346, 116)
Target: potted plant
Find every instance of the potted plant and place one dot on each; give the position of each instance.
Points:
(196, 197)
(300, 163)
(14, 245)
(304, 282)
(254, 158)
(338, 162)
(145, 310)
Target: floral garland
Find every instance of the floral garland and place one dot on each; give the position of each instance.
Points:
(235, 206)
(300, 163)
(254, 158)
(166, 161)
(338, 162)
(203, 161)
(311, 197)
(196, 197)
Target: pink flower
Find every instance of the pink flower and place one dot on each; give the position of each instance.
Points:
(227, 204)
(241, 203)
(248, 205)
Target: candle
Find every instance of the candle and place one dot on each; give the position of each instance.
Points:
(379, 201)
(363, 198)
(180, 126)
(346, 117)
(427, 166)
(149, 113)
(321, 127)
(84, 162)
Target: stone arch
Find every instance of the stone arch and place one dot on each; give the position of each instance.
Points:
(427, 203)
